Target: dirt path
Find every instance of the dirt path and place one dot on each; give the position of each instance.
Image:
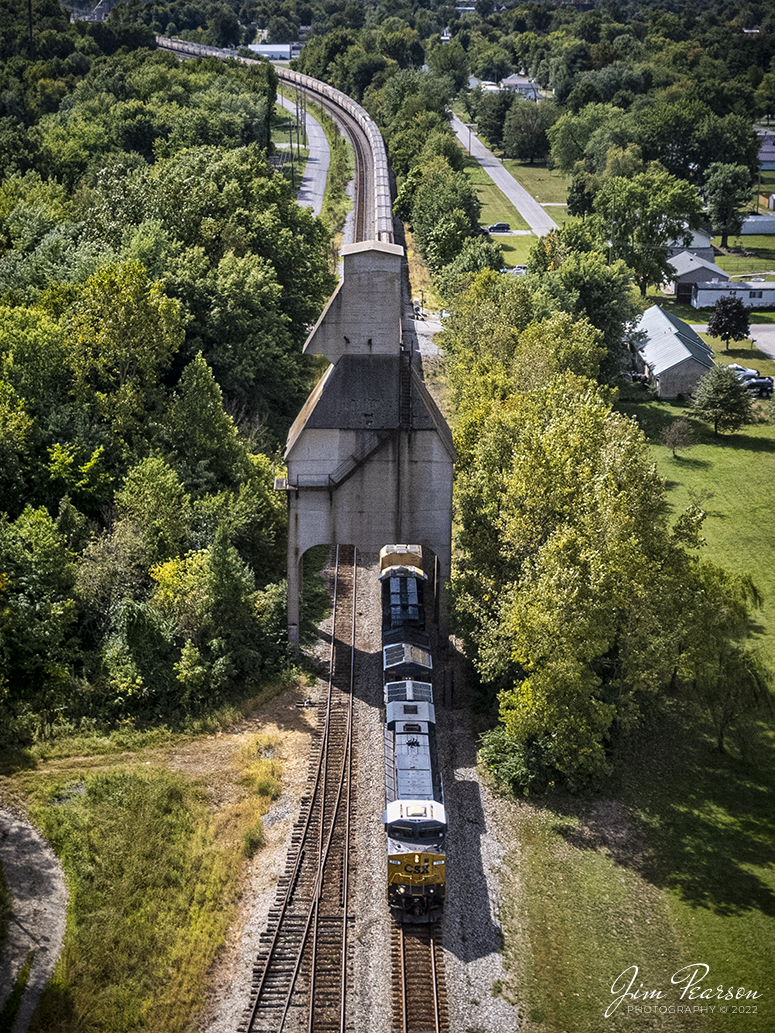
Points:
(39, 909)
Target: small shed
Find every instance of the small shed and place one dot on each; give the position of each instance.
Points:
(689, 269)
(755, 294)
(671, 353)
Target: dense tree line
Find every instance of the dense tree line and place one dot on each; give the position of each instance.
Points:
(157, 279)
(581, 603)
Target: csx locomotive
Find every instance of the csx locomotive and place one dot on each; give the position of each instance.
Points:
(414, 818)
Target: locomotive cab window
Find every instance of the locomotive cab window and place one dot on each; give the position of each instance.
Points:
(412, 728)
(409, 709)
(401, 831)
(430, 830)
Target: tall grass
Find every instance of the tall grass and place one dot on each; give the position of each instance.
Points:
(153, 876)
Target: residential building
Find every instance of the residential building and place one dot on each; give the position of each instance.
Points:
(673, 356)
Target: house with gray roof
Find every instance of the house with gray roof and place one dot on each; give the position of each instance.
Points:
(767, 152)
(700, 245)
(521, 84)
(753, 294)
(673, 356)
(689, 269)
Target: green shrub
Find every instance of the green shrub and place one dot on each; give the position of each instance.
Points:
(253, 839)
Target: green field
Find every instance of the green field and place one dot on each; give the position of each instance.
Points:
(696, 315)
(738, 470)
(672, 866)
(741, 266)
(495, 206)
(516, 249)
(548, 187)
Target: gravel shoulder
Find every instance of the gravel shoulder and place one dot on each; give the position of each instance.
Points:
(39, 910)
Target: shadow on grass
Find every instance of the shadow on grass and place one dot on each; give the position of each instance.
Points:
(692, 462)
(653, 418)
(15, 758)
(689, 819)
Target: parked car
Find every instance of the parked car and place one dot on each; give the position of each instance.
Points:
(743, 371)
(499, 227)
(762, 387)
(515, 270)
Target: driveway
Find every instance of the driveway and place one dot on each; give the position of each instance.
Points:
(527, 206)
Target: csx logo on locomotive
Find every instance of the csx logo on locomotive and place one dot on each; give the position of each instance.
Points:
(414, 817)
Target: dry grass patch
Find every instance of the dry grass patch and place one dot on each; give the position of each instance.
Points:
(154, 847)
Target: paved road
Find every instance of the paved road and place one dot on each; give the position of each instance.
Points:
(313, 185)
(527, 206)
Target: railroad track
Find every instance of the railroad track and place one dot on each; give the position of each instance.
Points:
(419, 993)
(373, 205)
(300, 975)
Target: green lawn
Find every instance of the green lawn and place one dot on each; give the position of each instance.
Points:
(516, 249)
(548, 187)
(672, 866)
(696, 315)
(495, 206)
(735, 474)
(741, 266)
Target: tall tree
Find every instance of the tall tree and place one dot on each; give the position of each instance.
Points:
(727, 191)
(730, 320)
(722, 399)
(124, 331)
(641, 216)
(524, 132)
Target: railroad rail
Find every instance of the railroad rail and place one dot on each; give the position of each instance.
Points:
(419, 994)
(303, 965)
(371, 158)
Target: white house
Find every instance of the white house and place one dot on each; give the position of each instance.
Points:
(700, 245)
(521, 84)
(756, 294)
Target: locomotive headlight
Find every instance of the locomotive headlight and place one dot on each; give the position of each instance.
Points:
(402, 889)
(416, 858)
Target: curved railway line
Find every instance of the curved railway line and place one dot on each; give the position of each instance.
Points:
(300, 979)
(374, 202)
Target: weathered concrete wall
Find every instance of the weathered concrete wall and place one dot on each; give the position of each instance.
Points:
(370, 457)
(363, 316)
